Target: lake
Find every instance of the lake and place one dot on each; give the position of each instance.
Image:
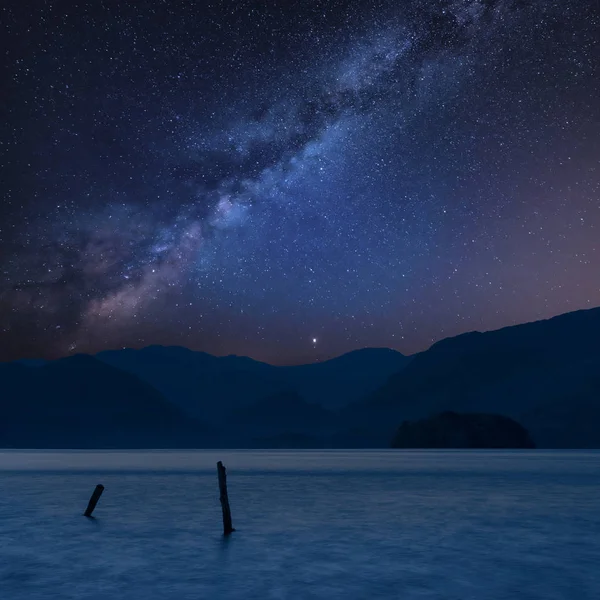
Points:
(450, 525)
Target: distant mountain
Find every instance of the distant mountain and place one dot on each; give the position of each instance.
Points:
(545, 374)
(466, 430)
(204, 386)
(81, 402)
(287, 441)
(213, 388)
(32, 362)
(159, 396)
(287, 412)
(338, 382)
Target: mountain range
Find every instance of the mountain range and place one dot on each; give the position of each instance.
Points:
(545, 375)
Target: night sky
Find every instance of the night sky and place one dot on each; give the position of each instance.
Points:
(292, 180)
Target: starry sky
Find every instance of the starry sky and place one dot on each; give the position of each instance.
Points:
(291, 180)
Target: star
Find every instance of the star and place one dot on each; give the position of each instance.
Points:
(358, 168)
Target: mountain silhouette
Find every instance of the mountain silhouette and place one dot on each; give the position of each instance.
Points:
(213, 388)
(81, 402)
(466, 430)
(287, 412)
(544, 374)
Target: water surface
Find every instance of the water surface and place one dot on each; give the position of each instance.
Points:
(310, 524)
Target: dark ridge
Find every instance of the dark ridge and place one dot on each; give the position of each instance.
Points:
(453, 430)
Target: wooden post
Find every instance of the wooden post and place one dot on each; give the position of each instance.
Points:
(93, 500)
(222, 472)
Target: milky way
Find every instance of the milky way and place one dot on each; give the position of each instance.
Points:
(250, 177)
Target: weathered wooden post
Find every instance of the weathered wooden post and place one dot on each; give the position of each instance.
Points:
(93, 500)
(222, 472)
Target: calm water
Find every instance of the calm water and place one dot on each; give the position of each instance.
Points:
(322, 524)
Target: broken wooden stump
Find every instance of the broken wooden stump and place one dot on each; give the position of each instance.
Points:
(222, 473)
(93, 500)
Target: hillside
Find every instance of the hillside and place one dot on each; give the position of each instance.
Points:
(545, 374)
(80, 402)
(213, 388)
(464, 430)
